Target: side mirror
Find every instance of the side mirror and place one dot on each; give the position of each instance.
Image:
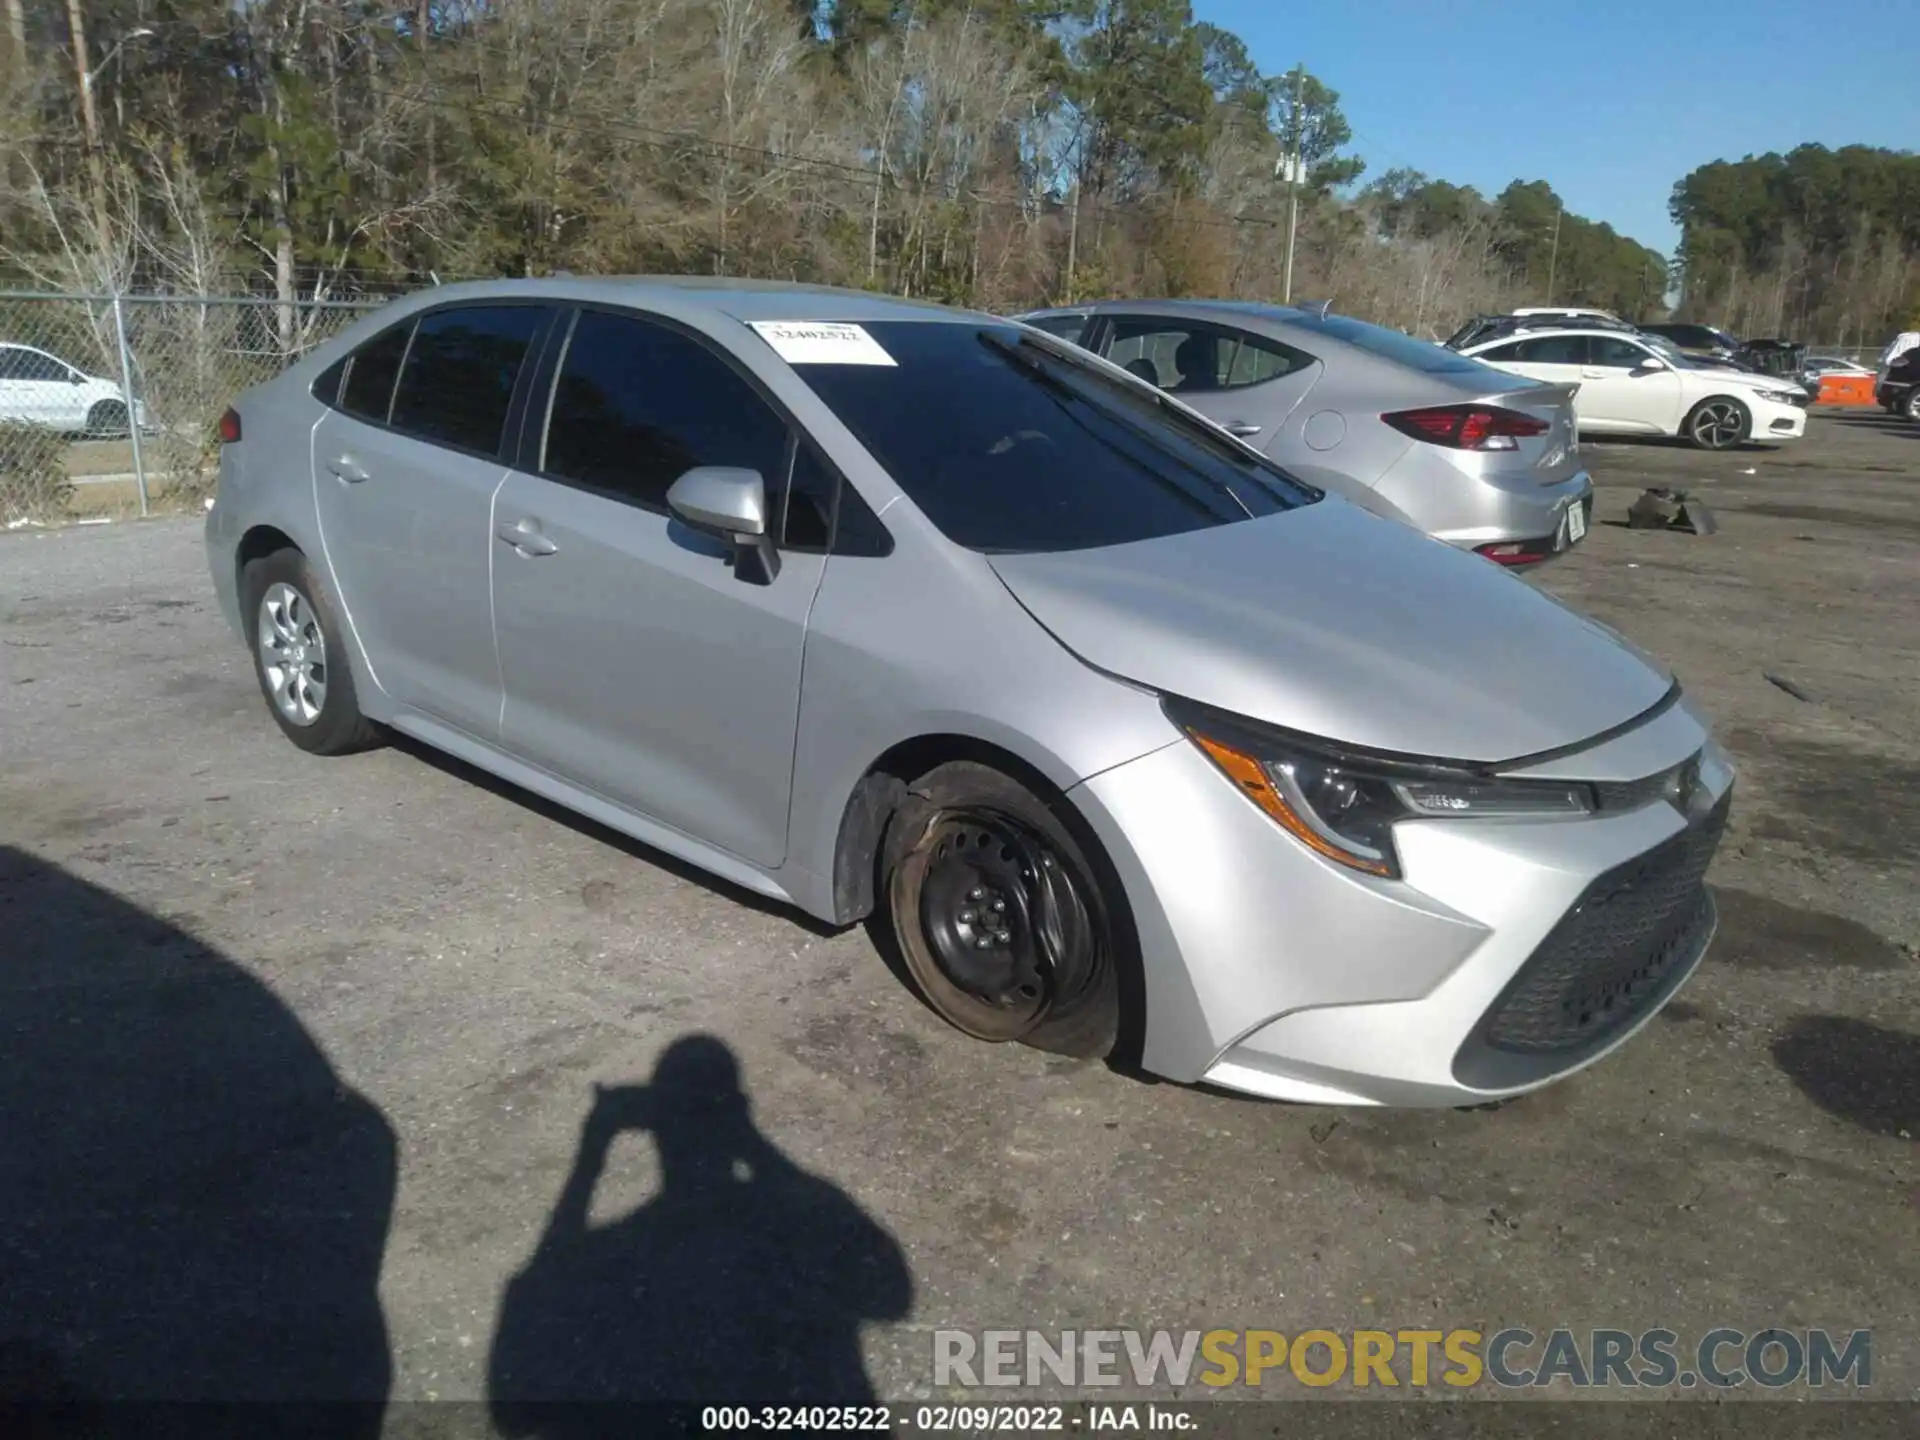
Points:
(74, 377)
(731, 505)
(1650, 366)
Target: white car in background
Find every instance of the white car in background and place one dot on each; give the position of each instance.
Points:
(41, 389)
(1633, 384)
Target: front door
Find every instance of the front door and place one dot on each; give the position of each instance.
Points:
(1618, 382)
(637, 664)
(404, 475)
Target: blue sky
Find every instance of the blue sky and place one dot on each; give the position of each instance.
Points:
(1609, 101)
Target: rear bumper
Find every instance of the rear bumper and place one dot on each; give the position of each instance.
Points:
(1491, 510)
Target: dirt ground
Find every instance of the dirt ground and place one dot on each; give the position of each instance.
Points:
(298, 1058)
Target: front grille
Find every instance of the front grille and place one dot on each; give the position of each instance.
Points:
(1623, 947)
(1673, 783)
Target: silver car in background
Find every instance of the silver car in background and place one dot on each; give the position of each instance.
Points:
(1132, 744)
(1475, 457)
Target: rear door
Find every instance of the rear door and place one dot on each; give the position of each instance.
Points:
(405, 470)
(1617, 383)
(637, 663)
(1556, 360)
(1247, 383)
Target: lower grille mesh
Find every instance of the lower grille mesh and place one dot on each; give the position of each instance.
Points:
(1615, 951)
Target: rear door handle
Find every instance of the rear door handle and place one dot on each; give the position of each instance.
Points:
(524, 536)
(347, 470)
(1245, 429)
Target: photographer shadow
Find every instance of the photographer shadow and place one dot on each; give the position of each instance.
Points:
(745, 1280)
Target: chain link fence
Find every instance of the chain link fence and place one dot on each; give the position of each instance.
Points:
(108, 404)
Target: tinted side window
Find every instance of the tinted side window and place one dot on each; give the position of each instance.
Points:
(368, 392)
(457, 385)
(1509, 351)
(808, 523)
(637, 405)
(326, 389)
(1188, 357)
(1254, 360)
(17, 363)
(1619, 354)
(1555, 350)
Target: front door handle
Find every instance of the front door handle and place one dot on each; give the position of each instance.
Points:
(525, 536)
(347, 470)
(1245, 429)
(1591, 374)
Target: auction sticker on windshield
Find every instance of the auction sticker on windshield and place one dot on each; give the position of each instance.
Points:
(811, 342)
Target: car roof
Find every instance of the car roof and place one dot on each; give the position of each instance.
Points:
(745, 300)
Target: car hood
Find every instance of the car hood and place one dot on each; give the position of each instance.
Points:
(1343, 625)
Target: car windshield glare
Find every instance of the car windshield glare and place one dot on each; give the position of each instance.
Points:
(1010, 444)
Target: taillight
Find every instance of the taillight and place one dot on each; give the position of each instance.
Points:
(230, 426)
(1515, 553)
(1467, 427)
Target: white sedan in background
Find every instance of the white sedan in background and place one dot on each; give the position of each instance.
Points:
(1641, 385)
(41, 389)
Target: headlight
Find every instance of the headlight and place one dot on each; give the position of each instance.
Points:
(1344, 806)
(1781, 397)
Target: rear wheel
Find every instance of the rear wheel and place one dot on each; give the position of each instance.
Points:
(999, 917)
(300, 656)
(107, 420)
(1911, 406)
(1718, 424)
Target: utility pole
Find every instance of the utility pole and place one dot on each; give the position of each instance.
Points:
(90, 116)
(1291, 160)
(1553, 255)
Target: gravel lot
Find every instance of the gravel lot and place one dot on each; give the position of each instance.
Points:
(297, 1056)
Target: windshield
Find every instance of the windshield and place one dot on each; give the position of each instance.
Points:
(1007, 445)
(1667, 351)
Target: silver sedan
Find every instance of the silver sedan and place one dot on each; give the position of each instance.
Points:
(1132, 743)
(1481, 459)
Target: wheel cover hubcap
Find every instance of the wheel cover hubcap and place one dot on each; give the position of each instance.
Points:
(293, 654)
(1003, 918)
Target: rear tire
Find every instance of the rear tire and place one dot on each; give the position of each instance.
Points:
(1001, 921)
(300, 656)
(107, 420)
(1718, 423)
(1911, 407)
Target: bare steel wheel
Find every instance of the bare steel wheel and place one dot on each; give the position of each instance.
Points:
(1719, 423)
(998, 917)
(299, 655)
(293, 654)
